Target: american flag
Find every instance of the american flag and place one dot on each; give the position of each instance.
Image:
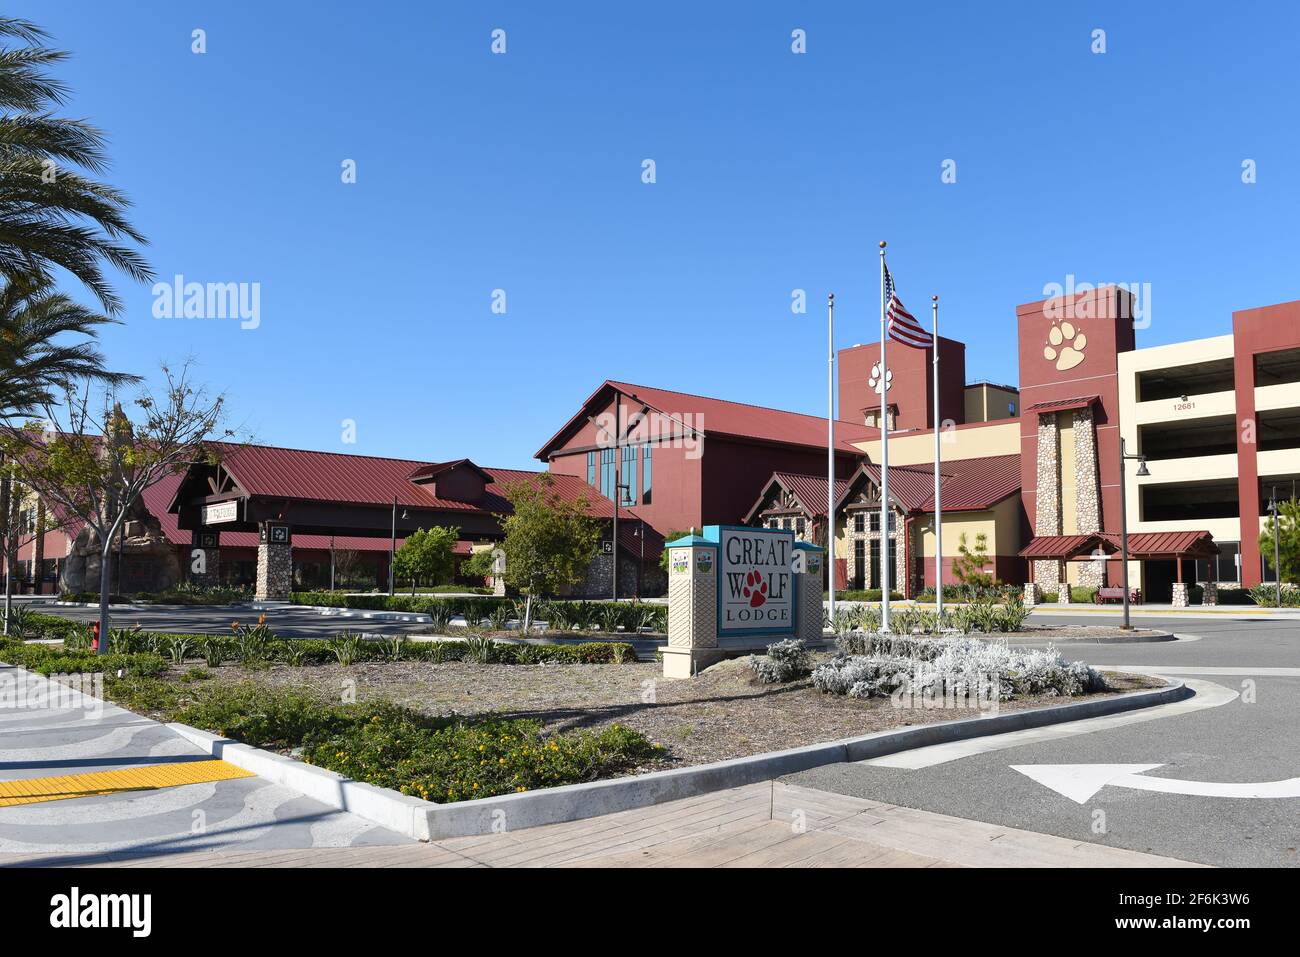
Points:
(902, 325)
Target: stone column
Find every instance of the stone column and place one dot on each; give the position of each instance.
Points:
(1047, 508)
(1210, 593)
(808, 589)
(274, 562)
(1087, 492)
(1180, 595)
(1031, 594)
(205, 559)
(692, 607)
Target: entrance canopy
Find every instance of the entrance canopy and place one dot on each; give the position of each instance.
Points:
(1141, 546)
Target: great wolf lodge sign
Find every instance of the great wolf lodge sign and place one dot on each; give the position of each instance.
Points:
(755, 580)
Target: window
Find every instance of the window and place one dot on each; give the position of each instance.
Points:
(875, 521)
(785, 523)
(591, 468)
(859, 523)
(645, 474)
(627, 496)
(1223, 567)
(859, 561)
(772, 523)
(798, 527)
(893, 523)
(607, 473)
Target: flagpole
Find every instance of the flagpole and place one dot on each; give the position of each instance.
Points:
(938, 511)
(830, 455)
(884, 457)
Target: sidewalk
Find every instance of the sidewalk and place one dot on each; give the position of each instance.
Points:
(770, 824)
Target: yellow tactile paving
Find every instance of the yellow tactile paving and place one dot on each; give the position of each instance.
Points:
(35, 790)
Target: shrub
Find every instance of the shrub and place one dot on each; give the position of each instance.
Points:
(955, 666)
(51, 659)
(441, 759)
(345, 648)
(785, 661)
(1266, 595)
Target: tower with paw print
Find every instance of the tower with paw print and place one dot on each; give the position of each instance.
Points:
(1069, 393)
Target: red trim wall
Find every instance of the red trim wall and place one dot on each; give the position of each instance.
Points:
(1254, 331)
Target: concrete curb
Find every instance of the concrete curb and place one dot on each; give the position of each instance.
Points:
(1134, 639)
(395, 811)
(426, 821)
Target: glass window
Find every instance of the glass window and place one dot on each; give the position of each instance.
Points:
(798, 526)
(591, 468)
(645, 474)
(607, 473)
(785, 523)
(875, 521)
(627, 476)
(859, 522)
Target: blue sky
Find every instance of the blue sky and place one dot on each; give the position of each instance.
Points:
(775, 172)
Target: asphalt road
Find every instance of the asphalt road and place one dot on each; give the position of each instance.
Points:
(1231, 743)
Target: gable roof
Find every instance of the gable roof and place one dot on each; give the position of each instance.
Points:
(719, 417)
(966, 485)
(809, 492)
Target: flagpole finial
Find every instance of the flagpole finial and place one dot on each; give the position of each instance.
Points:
(882, 244)
(934, 298)
(830, 298)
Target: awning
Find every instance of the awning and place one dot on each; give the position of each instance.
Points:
(1141, 545)
(1064, 405)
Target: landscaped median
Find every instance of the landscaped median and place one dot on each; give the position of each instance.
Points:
(476, 725)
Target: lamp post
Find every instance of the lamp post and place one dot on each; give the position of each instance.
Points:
(1277, 551)
(1123, 522)
(392, 545)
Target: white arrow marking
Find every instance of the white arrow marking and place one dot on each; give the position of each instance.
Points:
(1079, 782)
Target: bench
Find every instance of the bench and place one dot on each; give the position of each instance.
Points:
(1117, 594)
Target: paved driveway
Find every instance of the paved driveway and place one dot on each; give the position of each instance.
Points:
(69, 744)
(1253, 667)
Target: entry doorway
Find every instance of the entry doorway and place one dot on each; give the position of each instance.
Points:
(1158, 577)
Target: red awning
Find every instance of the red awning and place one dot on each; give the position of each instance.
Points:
(1064, 405)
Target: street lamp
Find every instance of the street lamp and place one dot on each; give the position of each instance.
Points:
(1123, 521)
(392, 546)
(1277, 556)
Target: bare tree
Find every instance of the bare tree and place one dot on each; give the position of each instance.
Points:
(93, 461)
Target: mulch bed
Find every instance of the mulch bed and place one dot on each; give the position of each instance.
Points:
(722, 713)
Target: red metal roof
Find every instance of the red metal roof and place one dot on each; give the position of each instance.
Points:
(1140, 545)
(1064, 405)
(722, 417)
(1167, 544)
(1064, 546)
(966, 485)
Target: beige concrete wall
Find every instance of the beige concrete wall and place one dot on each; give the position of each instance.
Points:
(1193, 468)
(986, 402)
(917, 448)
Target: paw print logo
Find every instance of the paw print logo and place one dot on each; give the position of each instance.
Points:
(878, 383)
(755, 589)
(1065, 346)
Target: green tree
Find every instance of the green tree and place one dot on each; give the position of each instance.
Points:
(481, 564)
(52, 213)
(668, 540)
(968, 566)
(549, 540)
(427, 555)
(1288, 542)
(90, 461)
(35, 359)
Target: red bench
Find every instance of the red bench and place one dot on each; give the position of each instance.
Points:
(1117, 594)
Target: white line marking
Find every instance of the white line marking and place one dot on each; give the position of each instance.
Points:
(1079, 782)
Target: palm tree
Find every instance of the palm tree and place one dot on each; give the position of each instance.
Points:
(35, 364)
(50, 213)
